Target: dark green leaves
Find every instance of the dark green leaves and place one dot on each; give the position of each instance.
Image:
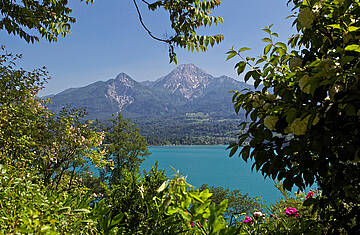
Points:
(240, 67)
(245, 153)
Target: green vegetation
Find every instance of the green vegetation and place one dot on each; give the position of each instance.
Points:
(306, 119)
(304, 129)
(188, 130)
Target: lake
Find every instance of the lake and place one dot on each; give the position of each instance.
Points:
(204, 164)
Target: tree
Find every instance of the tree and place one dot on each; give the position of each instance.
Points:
(21, 115)
(305, 121)
(56, 146)
(50, 19)
(125, 146)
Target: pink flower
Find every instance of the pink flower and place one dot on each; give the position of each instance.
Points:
(291, 212)
(192, 224)
(247, 219)
(310, 195)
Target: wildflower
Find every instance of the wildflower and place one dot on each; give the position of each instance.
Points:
(310, 195)
(258, 214)
(273, 216)
(192, 224)
(291, 212)
(247, 219)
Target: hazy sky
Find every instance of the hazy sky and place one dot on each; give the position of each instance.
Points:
(108, 39)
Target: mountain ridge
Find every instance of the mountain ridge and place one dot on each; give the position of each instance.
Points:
(186, 89)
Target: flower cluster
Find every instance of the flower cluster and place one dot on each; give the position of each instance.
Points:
(291, 212)
(247, 219)
(310, 195)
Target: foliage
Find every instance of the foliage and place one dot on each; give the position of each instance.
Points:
(50, 19)
(305, 120)
(56, 146)
(21, 115)
(68, 147)
(195, 208)
(133, 197)
(238, 203)
(27, 206)
(125, 146)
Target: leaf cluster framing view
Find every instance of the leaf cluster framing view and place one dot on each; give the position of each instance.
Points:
(302, 129)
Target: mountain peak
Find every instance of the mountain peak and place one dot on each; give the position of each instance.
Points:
(122, 76)
(188, 69)
(124, 79)
(186, 79)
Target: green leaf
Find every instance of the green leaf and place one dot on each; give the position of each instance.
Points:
(306, 2)
(267, 40)
(334, 26)
(212, 41)
(81, 210)
(231, 55)
(253, 116)
(353, 28)
(257, 83)
(240, 67)
(117, 219)
(245, 153)
(260, 60)
(282, 45)
(267, 49)
(205, 194)
(222, 207)
(309, 202)
(233, 150)
(267, 30)
(291, 115)
(247, 76)
(353, 47)
(244, 49)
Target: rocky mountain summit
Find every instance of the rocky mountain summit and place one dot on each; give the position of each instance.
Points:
(186, 89)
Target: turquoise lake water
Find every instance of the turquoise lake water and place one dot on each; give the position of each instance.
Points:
(204, 164)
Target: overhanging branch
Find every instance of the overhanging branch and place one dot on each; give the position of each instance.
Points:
(144, 26)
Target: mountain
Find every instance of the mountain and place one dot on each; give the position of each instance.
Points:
(186, 89)
(187, 81)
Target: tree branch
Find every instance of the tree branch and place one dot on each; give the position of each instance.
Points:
(144, 26)
(147, 3)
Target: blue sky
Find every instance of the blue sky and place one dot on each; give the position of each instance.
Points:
(108, 39)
